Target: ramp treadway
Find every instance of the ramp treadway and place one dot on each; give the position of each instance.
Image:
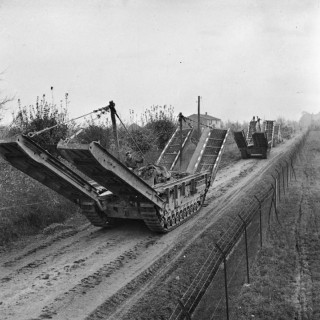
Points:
(98, 164)
(25, 155)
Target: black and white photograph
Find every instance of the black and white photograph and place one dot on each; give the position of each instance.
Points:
(159, 160)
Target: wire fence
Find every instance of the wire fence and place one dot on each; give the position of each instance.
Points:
(243, 235)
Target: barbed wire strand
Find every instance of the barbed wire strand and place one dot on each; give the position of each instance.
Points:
(230, 279)
(204, 268)
(227, 241)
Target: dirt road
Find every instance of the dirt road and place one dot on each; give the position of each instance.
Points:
(77, 271)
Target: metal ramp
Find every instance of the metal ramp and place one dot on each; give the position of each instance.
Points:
(171, 152)
(25, 155)
(260, 140)
(240, 139)
(277, 133)
(98, 164)
(268, 128)
(259, 146)
(209, 151)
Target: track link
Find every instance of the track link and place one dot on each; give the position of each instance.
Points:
(171, 220)
(90, 210)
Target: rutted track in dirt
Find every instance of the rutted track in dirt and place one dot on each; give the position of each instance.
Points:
(90, 273)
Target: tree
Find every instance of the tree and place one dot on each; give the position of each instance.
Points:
(43, 115)
(282, 121)
(161, 122)
(138, 140)
(3, 102)
(162, 130)
(94, 131)
(236, 126)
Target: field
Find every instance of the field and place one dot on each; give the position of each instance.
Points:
(76, 271)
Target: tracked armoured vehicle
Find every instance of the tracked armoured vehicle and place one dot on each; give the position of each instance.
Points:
(258, 141)
(156, 194)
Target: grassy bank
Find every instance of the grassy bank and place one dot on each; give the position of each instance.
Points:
(26, 206)
(286, 276)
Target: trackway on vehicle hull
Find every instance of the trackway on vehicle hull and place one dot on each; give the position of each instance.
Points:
(73, 271)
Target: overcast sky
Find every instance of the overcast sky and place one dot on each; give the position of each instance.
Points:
(243, 57)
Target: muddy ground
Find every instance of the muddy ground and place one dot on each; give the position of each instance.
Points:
(77, 271)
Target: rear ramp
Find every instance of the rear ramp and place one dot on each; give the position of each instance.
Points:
(268, 128)
(277, 133)
(171, 153)
(208, 153)
(25, 155)
(101, 166)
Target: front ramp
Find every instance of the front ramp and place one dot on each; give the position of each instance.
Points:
(27, 156)
(101, 166)
(240, 139)
(242, 144)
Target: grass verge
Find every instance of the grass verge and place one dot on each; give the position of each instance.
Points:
(26, 206)
(285, 276)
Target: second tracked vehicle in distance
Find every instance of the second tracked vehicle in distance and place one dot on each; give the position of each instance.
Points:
(258, 141)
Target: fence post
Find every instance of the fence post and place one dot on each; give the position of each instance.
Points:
(293, 170)
(246, 243)
(278, 184)
(272, 203)
(184, 310)
(260, 217)
(287, 173)
(275, 204)
(225, 278)
(283, 180)
(275, 189)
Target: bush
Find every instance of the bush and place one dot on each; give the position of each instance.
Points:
(96, 132)
(162, 130)
(41, 116)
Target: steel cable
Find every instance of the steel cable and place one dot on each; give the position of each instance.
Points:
(101, 111)
(253, 234)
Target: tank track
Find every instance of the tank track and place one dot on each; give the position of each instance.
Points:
(172, 220)
(97, 218)
(156, 221)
